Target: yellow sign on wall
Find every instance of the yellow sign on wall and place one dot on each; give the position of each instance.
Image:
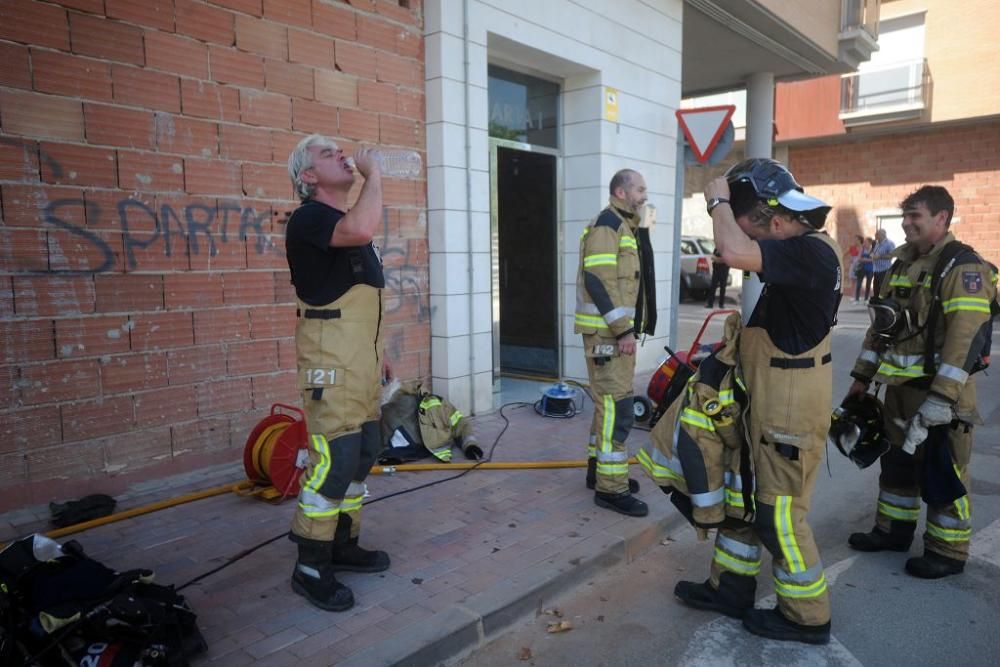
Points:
(611, 104)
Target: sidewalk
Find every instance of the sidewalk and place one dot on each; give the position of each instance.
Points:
(469, 556)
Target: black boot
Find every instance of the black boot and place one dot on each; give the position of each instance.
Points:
(313, 577)
(734, 597)
(633, 484)
(347, 556)
(898, 539)
(623, 503)
(934, 566)
(771, 623)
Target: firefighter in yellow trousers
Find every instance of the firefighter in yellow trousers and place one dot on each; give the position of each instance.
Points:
(763, 222)
(615, 303)
(930, 333)
(338, 279)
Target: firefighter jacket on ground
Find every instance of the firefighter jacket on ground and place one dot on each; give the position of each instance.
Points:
(416, 422)
(696, 445)
(965, 294)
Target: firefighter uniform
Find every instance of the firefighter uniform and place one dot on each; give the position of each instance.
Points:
(966, 293)
(765, 483)
(695, 453)
(415, 421)
(338, 341)
(609, 286)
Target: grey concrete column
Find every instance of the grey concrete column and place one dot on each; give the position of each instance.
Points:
(760, 135)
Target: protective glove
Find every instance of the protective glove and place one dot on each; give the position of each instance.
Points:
(934, 411)
(473, 452)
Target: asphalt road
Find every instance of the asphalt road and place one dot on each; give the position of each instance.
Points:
(881, 616)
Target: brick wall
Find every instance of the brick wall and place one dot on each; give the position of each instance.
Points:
(145, 306)
(874, 174)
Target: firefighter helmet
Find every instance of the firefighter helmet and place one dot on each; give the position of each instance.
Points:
(769, 181)
(857, 428)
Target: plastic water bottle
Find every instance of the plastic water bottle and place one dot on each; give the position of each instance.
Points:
(397, 162)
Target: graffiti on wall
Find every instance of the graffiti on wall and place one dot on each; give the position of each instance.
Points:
(198, 225)
(200, 228)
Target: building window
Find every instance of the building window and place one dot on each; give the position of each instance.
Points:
(523, 108)
(895, 83)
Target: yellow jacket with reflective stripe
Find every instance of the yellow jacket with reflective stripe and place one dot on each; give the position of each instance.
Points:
(696, 444)
(966, 292)
(607, 284)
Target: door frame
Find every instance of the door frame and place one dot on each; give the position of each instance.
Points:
(495, 247)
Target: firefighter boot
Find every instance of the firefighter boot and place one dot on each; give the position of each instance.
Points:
(898, 538)
(348, 556)
(771, 623)
(623, 503)
(313, 577)
(734, 596)
(933, 566)
(633, 484)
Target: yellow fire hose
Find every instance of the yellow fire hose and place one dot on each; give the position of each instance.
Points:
(504, 465)
(247, 488)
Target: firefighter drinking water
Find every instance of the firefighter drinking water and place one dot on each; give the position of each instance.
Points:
(337, 273)
(779, 362)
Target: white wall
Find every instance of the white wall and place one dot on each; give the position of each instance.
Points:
(587, 44)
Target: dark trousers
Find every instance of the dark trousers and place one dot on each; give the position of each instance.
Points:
(720, 276)
(865, 278)
(879, 277)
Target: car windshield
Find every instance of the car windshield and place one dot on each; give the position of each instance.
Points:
(707, 246)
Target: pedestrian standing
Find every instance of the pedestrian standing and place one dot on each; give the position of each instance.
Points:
(881, 258)
(864, 271)
(720, 276)
(851, 263)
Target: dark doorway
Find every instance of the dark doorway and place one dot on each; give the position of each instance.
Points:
(526, 244)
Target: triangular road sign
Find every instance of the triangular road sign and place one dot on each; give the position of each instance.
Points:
(704, 127)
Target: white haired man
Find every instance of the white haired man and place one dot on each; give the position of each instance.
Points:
(337, 273)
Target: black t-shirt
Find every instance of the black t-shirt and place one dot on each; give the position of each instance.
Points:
(802, 284)
(322, 274)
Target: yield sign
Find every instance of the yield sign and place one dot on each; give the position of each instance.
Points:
(704, 127)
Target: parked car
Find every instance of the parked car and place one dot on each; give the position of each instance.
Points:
(696, 267)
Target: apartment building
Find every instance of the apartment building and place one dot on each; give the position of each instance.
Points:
(924, 109)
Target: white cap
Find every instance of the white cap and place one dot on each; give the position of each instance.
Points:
(794, 200)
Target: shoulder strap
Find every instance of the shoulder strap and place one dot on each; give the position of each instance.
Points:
(946, 260)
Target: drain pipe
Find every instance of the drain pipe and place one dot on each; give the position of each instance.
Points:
(468, 204)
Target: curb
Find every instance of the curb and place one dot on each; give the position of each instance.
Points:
(471, 624)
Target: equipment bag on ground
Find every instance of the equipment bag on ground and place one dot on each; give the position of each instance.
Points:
(60, 607)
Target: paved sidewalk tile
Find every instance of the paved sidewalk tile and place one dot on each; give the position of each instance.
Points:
(462, 541)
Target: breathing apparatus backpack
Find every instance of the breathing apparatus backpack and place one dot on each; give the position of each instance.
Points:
(950, 255)
(890, 319)
(59, 607)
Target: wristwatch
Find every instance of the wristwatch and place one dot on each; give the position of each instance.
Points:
(715, 201)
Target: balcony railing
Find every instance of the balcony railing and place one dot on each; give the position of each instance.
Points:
(891, 92)
(858, 36)
(860, 15)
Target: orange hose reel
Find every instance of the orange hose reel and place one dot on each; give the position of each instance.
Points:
(276, 452)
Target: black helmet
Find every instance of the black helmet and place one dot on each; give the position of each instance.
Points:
(763, 179)
(857, 428)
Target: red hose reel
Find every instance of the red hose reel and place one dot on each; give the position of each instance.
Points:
(276, 453)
